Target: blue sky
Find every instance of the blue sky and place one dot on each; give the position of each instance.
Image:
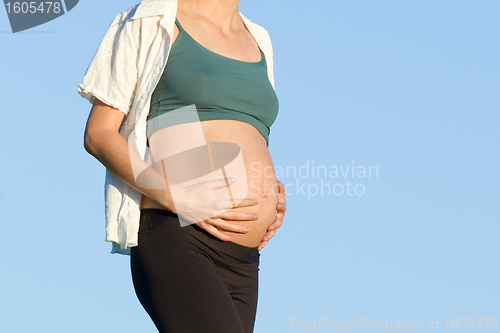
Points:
(410, 88)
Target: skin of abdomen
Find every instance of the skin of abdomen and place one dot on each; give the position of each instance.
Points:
(260, 175)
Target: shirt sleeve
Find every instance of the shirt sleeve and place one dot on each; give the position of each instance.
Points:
(112, 73)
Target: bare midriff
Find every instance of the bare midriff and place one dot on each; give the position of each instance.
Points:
(260, 176)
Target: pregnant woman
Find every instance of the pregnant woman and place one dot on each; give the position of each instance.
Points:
(200, 276)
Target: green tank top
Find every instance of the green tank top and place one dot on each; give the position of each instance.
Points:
(219, 87)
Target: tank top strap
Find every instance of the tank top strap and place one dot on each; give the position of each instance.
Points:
(179, 24)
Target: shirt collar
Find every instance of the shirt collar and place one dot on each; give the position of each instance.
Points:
(154, 8)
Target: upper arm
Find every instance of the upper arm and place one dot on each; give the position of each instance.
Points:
(112, 74)
(103, 119)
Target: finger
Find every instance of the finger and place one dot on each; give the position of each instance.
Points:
(214, 231)
(281, 189)
(281, 207)
(227, 226)
(245, 202)
(230, 215)
(224, 204)
(261, 246)
(276, 224)
(268, 236)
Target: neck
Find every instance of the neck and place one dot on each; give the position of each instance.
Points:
(224, 13)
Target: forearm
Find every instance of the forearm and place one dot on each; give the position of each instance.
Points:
(112, 150)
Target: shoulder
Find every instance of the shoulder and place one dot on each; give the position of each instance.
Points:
(134, 17)
(129, 26)
(125, 17)
(256, 28)
(261, 29)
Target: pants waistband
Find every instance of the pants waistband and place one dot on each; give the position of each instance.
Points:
(245, 253)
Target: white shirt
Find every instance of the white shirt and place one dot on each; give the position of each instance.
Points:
(123, 74)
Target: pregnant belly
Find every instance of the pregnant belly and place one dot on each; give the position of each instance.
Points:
(253, 171)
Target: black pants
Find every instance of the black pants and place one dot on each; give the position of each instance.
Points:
(190, 281)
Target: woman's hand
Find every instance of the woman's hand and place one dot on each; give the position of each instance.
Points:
(216, 224)
(281, 208)
(197, 204)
